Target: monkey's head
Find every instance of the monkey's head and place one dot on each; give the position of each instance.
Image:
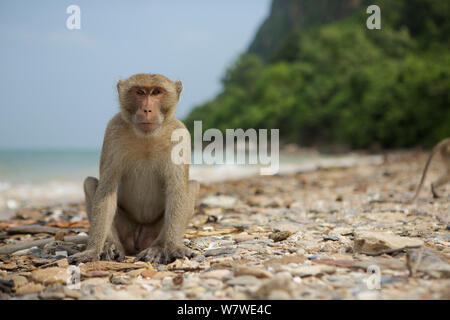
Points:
(147, 100)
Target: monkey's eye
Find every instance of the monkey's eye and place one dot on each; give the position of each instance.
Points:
(155, 92)
(140, 92)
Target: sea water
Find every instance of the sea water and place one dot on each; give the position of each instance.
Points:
(47, 177)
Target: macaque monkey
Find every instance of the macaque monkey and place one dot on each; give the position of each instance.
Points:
(142, 201)
(444, 148)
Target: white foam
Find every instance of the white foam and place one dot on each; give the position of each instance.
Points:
(52, 192)
(14, 196)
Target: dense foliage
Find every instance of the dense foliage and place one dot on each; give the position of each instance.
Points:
(339, 83)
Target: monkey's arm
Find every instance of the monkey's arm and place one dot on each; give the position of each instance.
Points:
(103, 211)
(178, 205)
(104, 203)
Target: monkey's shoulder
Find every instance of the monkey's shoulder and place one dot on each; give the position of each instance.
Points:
(176, 124)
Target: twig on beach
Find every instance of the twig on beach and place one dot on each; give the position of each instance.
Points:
(39, 243)
(33, 229)
(390, 251)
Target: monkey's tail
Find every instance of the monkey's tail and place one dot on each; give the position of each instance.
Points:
(436, 148)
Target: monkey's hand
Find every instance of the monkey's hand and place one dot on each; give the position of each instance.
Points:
(164, 254)
(109, 253)
(82, 257)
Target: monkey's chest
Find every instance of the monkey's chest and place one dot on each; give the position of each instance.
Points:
(141, 195)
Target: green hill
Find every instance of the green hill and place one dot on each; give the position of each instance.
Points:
(319, 75)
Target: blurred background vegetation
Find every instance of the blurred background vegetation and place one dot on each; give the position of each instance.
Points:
(316, 72)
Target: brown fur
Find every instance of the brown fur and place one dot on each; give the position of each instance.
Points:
(444, 148)
(142, 202)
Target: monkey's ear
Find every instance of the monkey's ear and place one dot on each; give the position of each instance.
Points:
(178, 87)
(118, 84)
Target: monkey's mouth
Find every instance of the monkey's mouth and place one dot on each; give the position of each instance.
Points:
(148, 126)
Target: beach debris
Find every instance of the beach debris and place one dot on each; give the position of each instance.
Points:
(240, 270)
(378, 242)
(427, 262)
(312, 234)
(280, 235)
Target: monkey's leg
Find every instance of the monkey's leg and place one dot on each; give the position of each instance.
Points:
(193, 188)
(439, 182)
(163, 251)
(112, 249)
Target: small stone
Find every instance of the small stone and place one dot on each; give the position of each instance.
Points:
(120, 280)
(295, 258)
(280, 235)
(62, 263)
(147, 273)
(6, 286)
(219, 201)
(332, 238)
(24, 251)
(218, 274)
(51, 275)
(29, 288)
(184, 264)
(244, 281)
(371, 241)
(314, 270)
(52, 295)
(219, 251)
(195, 292)
(71, 293)
(61, 254)
(251, 271)
(18, 280)
(109, 265)
(8, 266)
(279, 295)
(178, 280)
(163, 274)
(200, 258)
(425, 261)
(212, 284)
(40, 262)
(167, 281)
(59, 236)
(96, 273)
(282, 281)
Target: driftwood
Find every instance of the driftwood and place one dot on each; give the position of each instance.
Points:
(6, 286)
(390, 251)
(33, 229)
(39, 243)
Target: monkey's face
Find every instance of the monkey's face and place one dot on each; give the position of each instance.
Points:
(147, 115)
(146, 100)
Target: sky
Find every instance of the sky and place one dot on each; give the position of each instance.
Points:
(58, 86)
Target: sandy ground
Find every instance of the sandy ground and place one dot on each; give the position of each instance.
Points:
(335, 232)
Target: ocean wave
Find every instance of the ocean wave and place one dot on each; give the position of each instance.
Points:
(16, 196)
(19, 195)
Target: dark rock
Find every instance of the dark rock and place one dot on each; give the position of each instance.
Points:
(219, 251)
(332, 238)
(280, 235)
(6, 286)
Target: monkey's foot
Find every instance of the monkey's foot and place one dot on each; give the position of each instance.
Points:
(435, 194)
(111, 253)
(161, 255)
(82, 257)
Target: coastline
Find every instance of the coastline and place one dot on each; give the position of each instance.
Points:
(59, 191)
(310, 234)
